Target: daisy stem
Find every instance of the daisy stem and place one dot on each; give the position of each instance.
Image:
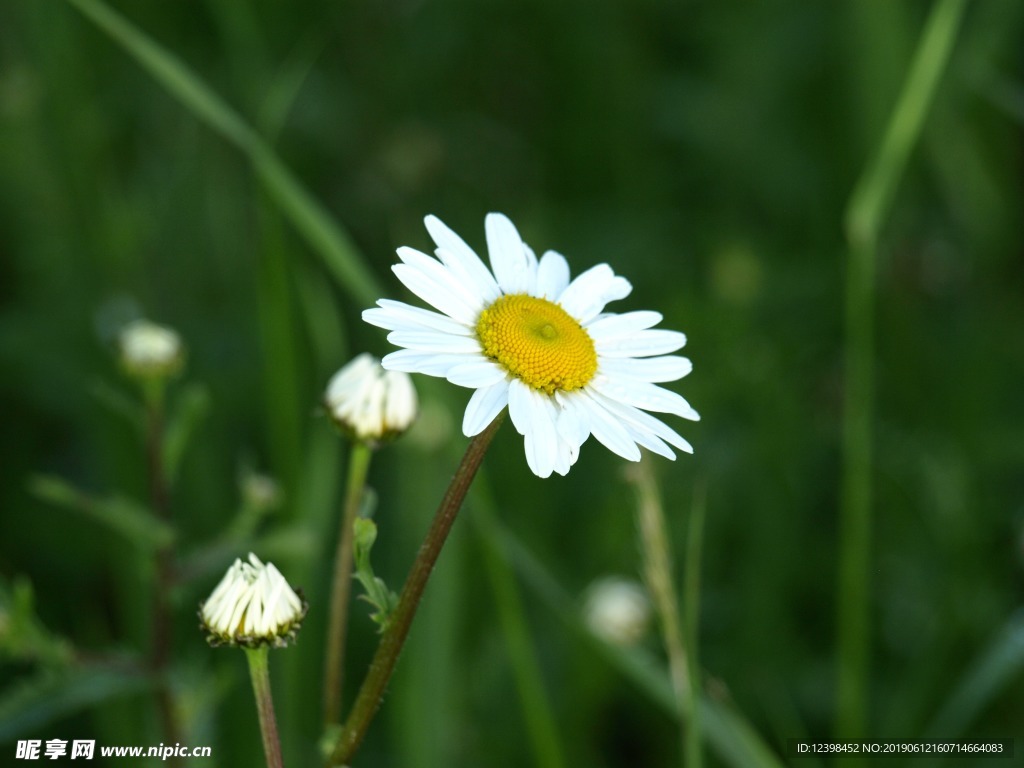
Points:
(358, 465)
(259, 673)
(393, 639)
(159, 496)
(866, 211)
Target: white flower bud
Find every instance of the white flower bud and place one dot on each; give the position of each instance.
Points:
(149, 350)
(253, 605)
(618, 610)
(369, 403)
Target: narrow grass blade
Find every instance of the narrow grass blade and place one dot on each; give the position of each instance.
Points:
(311, 220)
(283, 394)
(536, 704)
(869, 205)
(998, 666)
(659, 575)
(727, 732)
(691, 621)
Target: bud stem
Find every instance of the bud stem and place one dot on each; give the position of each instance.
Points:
(358, 465)
(259, 672)
(161, 630)
(391, 642)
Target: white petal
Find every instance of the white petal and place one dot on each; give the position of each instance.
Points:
(433, 341)
(610, 433)
(519, 405)
(484, 405)
(573, 423)
(399, 316)
(401, 402)
(641, 344)
(563, 459)
(654, 369)
(565, 454)
(441, 274)
(438, 293)
(483, 286)
(224, 585)
(428, 363)
(552, 275)
(460, 258)
(610, 326)
(509, 259)
(638, 428)
(642, 420)
(431, 266)
(640, 394)
(533, 416)
(588, 294)
(652, 443)
(476, 374)
(239, 609)
(531, 270)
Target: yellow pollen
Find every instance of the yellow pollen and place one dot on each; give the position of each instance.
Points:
(538, 342)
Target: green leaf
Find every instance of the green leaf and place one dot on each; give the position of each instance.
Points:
(123, 516)
(192, 406)
(22, 635)
(36, 701)
(321, 232)
(993, 670)
(377, 593)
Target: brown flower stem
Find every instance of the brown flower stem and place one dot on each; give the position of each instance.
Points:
(259, 672)
(393, 638)
(159, 495)
(358, 465)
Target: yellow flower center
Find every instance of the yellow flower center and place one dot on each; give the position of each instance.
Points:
(538, 342)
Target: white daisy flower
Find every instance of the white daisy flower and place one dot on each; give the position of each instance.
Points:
(524, 336)
(252, 605)
(370, 403)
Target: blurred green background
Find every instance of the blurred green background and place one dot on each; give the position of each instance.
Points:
(706, 151)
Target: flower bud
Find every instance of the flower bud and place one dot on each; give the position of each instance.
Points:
(369, 403)
(252, 606)
(149, 350)
(618, 610)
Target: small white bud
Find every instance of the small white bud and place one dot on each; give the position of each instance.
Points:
(369, 403)
(149, 350)
(618, 610)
